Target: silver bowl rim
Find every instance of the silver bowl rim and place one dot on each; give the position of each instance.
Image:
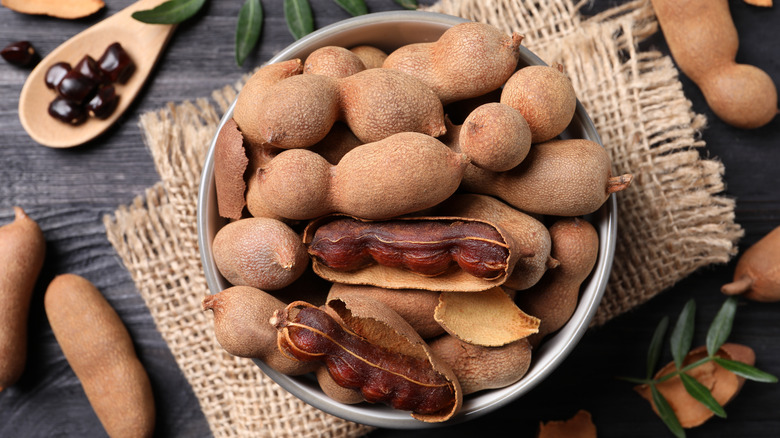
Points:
(555, 349)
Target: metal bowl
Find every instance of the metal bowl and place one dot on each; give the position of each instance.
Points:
(387, 31)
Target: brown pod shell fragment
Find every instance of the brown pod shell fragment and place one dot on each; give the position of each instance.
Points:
(393, 277)
(69, 10)
(367, 346)
(523, 230)
(248, 101)
(415, 306)
(100, 351)
(230, 163)
(479, 368)
(241, 315)
(757, 274)
(722, 383)
(579, 426)
(22, 250)
(488, 319)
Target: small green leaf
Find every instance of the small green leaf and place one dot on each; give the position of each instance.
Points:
(745, 370)
(250, 22)
(720, 329)
(667, 413)
(299, 18)
(408, 4)
(702, 394)
(682, 334)
(170, 12)
(354, 7)
(654, 352)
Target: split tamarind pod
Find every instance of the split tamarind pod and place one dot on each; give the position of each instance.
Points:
(299, 111)
(544, 95)
(704, 42)
(468, 60)
(368, 347)
(415, 306)
(248, 101)
(22, 250)
(524, 230)
(429, 253)
(575, 244)
(348, 396)
(722, 383)
(757, 274)
(259, 252)
(241, 326)
(479, 368)
(230, 164)
(571, 177)
(100, 351)
(401, 174)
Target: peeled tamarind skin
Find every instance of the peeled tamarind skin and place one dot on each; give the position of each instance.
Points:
(703, 41)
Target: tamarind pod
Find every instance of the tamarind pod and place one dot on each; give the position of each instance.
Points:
(427, 247)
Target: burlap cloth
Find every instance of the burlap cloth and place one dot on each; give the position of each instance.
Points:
(672, 220)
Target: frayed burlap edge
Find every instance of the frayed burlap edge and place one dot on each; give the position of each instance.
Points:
(672, 222)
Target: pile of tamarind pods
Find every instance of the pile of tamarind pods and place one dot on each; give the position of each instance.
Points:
(408, 226)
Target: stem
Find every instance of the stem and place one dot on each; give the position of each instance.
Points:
(737, 287)
(618, 183)
(684, 369)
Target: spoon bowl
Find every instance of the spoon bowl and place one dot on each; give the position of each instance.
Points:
(143, 42)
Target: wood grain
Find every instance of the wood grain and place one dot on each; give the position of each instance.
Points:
(69, 191)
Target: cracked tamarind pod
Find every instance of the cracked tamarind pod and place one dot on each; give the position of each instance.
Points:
(368, 347)
(430, 253)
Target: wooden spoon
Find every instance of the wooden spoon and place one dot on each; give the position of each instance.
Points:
(143, 42)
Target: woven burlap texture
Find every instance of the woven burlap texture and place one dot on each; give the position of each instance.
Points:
(672, 220)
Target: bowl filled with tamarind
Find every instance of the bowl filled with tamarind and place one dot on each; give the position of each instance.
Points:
(406, 219)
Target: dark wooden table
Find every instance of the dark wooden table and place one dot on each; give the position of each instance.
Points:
(68, 191)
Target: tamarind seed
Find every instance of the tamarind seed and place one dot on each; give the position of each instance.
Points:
(103, 103)
(116, 64)
(67, 111)
(55, 73)
(76, 87)
(20, 54)
(89, 68)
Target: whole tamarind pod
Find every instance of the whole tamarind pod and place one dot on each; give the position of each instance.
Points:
(479, 368)
(495, 137)
(757, 274)
(241, 326)
(524, 230)
(100, 351)
(703, 41)
(259, 252)
(468, 60)
(376, 103)
(571, 177)
(575, 244)
(415, 306)
(429, 253)
(22, 250)
(372, 57)
(417, 172)
(333, 61)
(368, 347)
(249, 98)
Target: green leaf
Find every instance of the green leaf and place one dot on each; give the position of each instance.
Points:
(682, 334)
(654, 352)
(250, 22)
(299, 18)
(720, 329)
(354, 7)
(408, 4)
(745, 370)
(170, 12)
(667, 413)
(702, 394)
